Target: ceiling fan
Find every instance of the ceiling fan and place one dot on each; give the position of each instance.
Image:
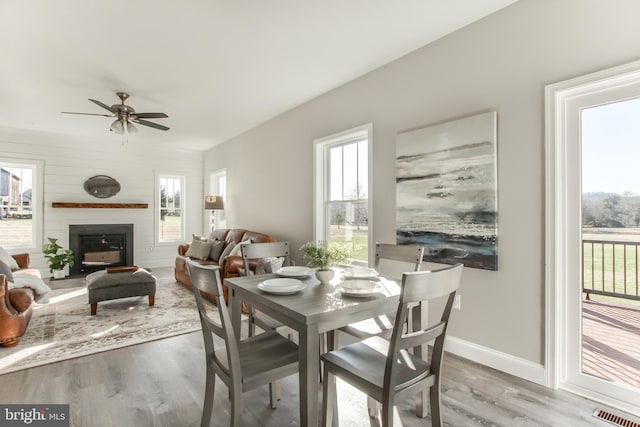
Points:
(125, 116)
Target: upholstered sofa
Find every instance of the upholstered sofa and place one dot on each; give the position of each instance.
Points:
(230, 266)
(15, 306)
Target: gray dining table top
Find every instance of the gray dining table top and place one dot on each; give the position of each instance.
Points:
(321, 304)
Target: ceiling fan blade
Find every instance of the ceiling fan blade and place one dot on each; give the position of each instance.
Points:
(151, 115)
(150, 124)
(102, 104)
(86, 114)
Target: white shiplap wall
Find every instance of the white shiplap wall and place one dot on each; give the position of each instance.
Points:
(69, 161)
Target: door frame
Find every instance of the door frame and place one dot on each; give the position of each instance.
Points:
(559, 212)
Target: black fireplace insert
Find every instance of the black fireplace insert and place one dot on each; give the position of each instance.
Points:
(98, 246)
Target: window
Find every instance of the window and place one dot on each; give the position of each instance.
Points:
(576, 126)
(342, 186)
(171, 208)
(218, 219)
(20, 206)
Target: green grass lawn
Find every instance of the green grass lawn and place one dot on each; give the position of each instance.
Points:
(15, 232)
(359, 238)
(170, 228)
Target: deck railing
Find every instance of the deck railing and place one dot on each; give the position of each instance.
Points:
(611, 268)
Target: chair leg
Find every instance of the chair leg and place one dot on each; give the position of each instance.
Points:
(332, 340)
(373, 406)
(434, 403)
(209, 391)
(329, 401)
(274, 393)
(323, 348)
(386, 418)
(252, 324)
(422, 407)
(236, 408)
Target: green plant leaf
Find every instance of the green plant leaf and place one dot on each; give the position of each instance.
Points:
(57, 259)
(324, 255)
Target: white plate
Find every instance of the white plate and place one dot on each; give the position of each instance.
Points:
(294, 271)
(360, 288)
(281, 286)
(359, 273)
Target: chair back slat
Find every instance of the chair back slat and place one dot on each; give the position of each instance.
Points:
(201, 278)
(426, 285)
(207, 278)
(216, 328)
(265, 250)
(393, 260)
(414, 339)
(404, 253)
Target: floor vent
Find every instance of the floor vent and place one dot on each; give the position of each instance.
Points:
(614, 419)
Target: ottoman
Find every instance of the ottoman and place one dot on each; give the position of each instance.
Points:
(105, 286)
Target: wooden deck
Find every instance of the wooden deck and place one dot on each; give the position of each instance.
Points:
(611, 341)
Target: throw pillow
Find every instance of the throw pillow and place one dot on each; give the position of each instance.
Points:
(199, 249)
(8, 259)
(237, 250)
(217, 246)
(225, 253)
(6, 270)
(269, 265)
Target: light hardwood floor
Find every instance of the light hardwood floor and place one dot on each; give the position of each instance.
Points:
(161, 384)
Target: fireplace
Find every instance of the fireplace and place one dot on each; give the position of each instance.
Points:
(98, 246)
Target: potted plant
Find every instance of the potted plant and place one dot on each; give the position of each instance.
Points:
(324, 255)
(57, 257)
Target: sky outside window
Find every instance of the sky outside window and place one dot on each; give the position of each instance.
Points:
(611, 148)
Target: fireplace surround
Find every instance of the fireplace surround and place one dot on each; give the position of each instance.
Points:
(98, 246)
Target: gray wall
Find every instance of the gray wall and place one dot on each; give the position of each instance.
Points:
(500, 63)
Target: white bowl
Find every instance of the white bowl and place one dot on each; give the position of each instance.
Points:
(359, 272)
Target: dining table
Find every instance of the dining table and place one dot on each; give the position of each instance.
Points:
(314, 310)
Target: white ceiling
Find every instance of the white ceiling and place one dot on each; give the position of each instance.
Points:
(216, 67)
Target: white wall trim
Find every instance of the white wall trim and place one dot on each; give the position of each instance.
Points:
(37, 200)
(557, 219)
(183, 194)
(495, 359)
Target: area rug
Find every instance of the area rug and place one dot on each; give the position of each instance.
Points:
(64, 329)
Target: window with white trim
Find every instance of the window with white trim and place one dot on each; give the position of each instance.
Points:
(218, 219)
(342, 188)
(170, 208)
(20, 203)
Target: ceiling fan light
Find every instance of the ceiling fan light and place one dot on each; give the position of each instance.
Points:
(117, 127)
(131, 128)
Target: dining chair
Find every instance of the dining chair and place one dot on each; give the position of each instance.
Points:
(241, 365)
(251, 256)
(256, 251)
(390, 261)
(384, 369)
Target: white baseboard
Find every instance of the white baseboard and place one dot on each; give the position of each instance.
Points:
(495, 359)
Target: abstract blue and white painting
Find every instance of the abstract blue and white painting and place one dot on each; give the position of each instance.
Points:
(446, 191)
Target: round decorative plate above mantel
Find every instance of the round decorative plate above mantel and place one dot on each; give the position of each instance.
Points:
(102, 186)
